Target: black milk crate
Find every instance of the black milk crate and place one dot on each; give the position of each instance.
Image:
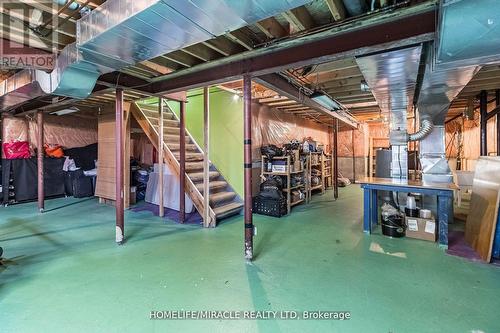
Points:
(269, 206)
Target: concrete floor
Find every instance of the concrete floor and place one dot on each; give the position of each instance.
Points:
(64, 273)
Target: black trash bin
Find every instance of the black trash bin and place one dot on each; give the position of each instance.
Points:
(393, 225)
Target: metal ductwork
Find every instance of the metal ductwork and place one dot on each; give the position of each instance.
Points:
(392, 78)
(468, 34)
(426, 128)
(121, 33)
(355, 7)
(439, 88)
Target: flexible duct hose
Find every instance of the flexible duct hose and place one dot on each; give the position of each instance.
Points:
(426, 127)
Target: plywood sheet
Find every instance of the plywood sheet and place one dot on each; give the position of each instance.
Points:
(105, 184)
(481, 221)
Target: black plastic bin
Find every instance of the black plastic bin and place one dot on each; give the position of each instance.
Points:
(269, 206)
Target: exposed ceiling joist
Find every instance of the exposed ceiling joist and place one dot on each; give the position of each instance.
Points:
(337, 9)
(271, 28)
(299, 18)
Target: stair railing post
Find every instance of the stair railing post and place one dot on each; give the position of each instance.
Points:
(247, 142)
(182, 162)
(161, 210)
(206, 162)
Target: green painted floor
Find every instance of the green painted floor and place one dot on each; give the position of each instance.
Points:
(64, 273)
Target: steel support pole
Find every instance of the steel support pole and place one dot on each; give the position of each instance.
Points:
(182, 163)
(483, 111)
(119, 166)
(353, 158)
(40, 150)
(161, 209)
(497, 103)
(206, 161)
(335, 159)
(247, 144)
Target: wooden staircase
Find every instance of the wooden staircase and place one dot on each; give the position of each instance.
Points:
(224, 202)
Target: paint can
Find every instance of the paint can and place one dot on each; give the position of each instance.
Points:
(412, 212)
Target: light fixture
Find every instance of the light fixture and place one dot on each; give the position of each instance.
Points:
(326, 101)
(72, 109)
(236, 97)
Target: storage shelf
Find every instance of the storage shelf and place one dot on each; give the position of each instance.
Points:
(294, 188)
(316, 187)
(296, 202)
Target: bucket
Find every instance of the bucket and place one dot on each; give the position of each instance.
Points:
(393, 226)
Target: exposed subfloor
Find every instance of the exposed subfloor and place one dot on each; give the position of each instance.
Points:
(64, 273)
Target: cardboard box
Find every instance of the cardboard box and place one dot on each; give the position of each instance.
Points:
(279, 166)
(297, 165)
(419, 228)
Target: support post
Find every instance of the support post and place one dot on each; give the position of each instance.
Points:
(119, 166)
(161, 208)
(182, 162)
(41, 192)
(247, 142)
(353, 158)
(335, 159)
(206, 162)
(483, 111)
(497, 103)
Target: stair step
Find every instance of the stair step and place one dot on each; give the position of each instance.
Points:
(174, 138)
(190, 157)
(227, 210)
(166, 122)
(193, 166)
(220, 197)
(213, 185)
(154, 114)
(198, 176)
(171, 130)
(174, 146)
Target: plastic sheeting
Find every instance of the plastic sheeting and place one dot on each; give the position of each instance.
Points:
(67, 131)
(171, 191)
(271, 126)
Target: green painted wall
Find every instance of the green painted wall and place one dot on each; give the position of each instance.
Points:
(226, 131)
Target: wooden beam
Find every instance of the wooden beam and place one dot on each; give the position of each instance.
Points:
(241, 38)
(223, 45)
(271, 28)
(202, 52)
(182, 58)
(299, 18)
(337, 9)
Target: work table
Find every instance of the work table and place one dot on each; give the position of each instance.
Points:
(443, 192)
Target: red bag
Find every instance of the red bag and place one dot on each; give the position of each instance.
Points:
(18, 149)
